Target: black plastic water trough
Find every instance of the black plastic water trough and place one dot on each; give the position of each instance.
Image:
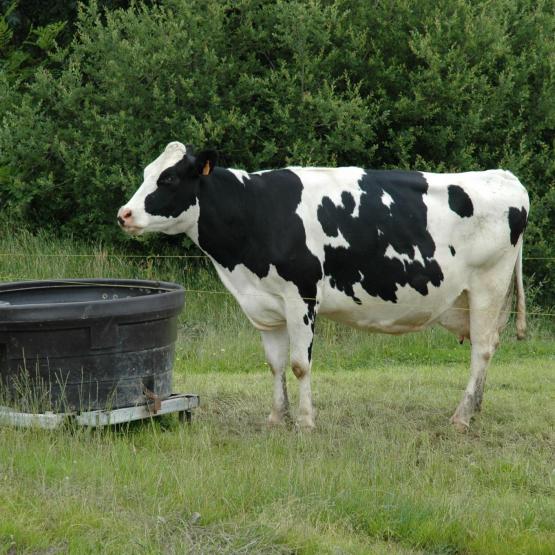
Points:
(88, 343)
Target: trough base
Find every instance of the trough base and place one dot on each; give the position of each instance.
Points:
(182, 403)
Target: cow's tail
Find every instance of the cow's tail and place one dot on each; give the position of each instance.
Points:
(520, 300)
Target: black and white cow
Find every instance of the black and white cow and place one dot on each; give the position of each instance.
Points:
(388, 251)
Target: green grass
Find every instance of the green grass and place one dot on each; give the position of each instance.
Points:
(383, 473)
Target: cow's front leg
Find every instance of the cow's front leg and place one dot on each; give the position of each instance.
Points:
(276, 348)
(301, 335)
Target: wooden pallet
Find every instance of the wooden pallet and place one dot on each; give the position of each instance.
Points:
(181, 403)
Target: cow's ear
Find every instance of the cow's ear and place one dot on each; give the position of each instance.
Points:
(183, 167)
(206, 161)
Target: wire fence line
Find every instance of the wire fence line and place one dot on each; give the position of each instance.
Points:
(149, 257)
(102, 254)
(77, 282)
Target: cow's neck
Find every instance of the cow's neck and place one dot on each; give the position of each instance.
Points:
(188, 223)
(224, 204)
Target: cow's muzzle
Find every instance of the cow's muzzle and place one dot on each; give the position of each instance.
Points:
(125, 216)
(125, 220)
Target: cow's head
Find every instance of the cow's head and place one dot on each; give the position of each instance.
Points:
(166, 199)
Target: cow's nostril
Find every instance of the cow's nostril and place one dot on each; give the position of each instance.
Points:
(124, 216)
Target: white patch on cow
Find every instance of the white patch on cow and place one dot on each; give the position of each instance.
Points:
(476, 239)
(338, 241)
(357, 204)
(317, 184)
(418, 256)
(187, 222)
(172, 154)
(264, 300)
(241, 175)
(390, 252)
(410, 313)
(387, 199)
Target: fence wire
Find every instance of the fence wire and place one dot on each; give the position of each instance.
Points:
(77, 282)
(102, 254)
(149, 257)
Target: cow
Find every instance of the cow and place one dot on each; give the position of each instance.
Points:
(385, 250)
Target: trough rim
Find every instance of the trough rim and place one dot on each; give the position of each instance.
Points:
(168, 300)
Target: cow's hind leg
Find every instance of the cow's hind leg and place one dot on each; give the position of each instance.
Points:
(276, 348)
(485, 309)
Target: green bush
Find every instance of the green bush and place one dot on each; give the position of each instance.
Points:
(442, 85)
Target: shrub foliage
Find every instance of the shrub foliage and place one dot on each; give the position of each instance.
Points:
(436, 85)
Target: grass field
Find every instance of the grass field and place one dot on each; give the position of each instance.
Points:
(383, 473)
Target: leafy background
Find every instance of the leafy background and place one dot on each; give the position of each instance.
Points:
(90, 93)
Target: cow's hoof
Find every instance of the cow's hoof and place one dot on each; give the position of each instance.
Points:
(274, 420)
(279, 418)
(459, 424)
(305, 424)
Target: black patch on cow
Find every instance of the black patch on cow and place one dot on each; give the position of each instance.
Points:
(402, 225)
(459, 201)
(309, 319)
(171, 196)
(452, 249)
(517, 223)
(253, 222)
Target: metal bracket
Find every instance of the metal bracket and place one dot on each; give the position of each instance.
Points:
(153, 401)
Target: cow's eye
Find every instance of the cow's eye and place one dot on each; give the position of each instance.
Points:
(167, 181)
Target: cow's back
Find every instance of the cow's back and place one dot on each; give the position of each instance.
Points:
(473, 211)
(388, 239)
